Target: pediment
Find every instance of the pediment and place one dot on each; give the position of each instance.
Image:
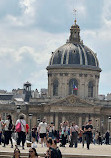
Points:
(72, 100)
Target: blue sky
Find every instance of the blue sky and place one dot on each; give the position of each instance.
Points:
(31, 29)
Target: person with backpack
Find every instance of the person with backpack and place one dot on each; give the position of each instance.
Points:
(54, 145)
(51, 152)
(8, 125)
(20, 127)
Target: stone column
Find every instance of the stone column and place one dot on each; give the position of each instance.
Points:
(80, 122)
(51, 118)
(33, 121)
(56, 121)
(63, 118)
(87, 118)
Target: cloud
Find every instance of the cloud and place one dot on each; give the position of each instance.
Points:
(99, 40)
(25, 16)
(78, 6)
(105, 84)
(30, 30)
(28, 7)
(26, 56)
(106, 16)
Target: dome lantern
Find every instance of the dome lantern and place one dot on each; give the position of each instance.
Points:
(74, 33)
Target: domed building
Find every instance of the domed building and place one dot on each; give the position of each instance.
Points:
(73, 69)
(73, 81)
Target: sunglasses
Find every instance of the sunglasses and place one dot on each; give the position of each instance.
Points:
(30, 151)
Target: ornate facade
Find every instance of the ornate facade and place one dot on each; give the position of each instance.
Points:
(73, 79)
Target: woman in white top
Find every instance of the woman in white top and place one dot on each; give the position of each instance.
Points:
(22, 133)
(8, 125)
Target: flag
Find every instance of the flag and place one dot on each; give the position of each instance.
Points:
(74, 87)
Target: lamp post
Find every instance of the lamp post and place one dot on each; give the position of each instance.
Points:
(38, 121)
(18, 110)
(30, 117)
(109, 121)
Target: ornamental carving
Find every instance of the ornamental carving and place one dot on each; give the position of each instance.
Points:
(73, 100)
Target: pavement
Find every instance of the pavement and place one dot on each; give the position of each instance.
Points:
(95, 150)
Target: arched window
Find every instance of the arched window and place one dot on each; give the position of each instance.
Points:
(55, 88)
(73, 86)
(90, 89)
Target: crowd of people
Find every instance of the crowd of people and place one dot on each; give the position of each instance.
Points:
(48, 136)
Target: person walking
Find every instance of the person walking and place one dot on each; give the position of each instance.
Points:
(34, 133)
(83, 134)
(88, 129)
(64, 127)
(42, 131)
(74, 135)
(22, 133)
(100, 138)
(107, 135)
(8, 125)
(51, 130)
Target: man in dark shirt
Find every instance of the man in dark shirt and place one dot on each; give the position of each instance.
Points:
(88, 129)
(83, 134)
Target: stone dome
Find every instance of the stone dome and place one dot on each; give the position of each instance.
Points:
(74, 53)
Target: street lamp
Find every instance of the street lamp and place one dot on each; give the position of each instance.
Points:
(109, 121)
(38, 121)
(18, 108)
(30, 117)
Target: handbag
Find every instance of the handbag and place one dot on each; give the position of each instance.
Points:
(18, 127)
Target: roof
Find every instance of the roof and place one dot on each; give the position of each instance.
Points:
(74, 52)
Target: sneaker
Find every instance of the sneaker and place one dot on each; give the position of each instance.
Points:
(11, 146)
(3, 146)
(70, 146)
(23, 148)
(42, 145)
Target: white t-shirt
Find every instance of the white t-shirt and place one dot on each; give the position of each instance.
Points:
(23, 123)
(6, 125)
(43, 127)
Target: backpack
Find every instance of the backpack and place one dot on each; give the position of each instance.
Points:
(54, 153)
(59, 153)
(18, 127)
(10, 127)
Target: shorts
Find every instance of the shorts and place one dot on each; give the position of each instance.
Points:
(42, 135)
(33, 135)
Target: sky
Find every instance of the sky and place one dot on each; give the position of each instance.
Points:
(31, 29)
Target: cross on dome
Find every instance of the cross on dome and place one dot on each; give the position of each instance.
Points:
(74, 12)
